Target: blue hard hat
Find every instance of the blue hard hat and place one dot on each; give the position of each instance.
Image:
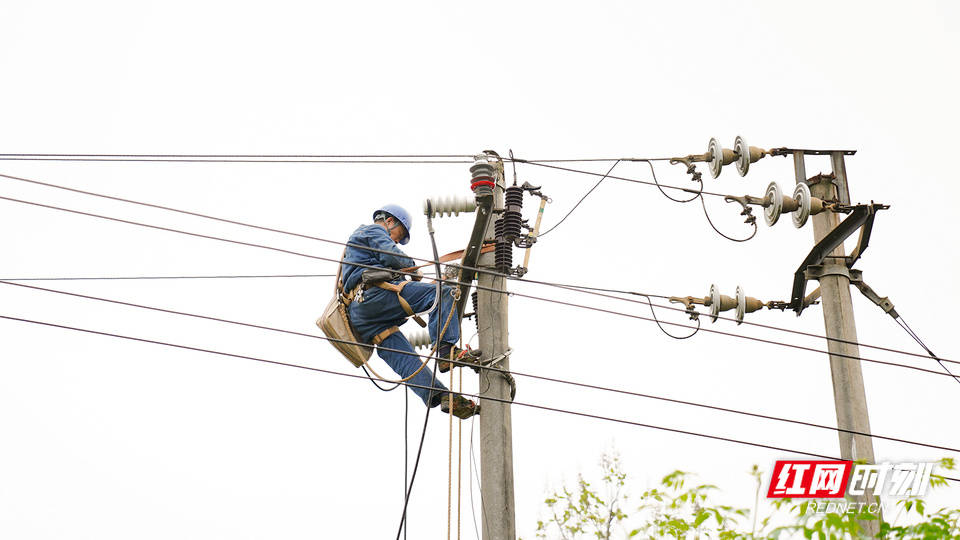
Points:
(401, 215)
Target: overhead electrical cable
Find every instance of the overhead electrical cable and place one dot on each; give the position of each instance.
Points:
(335, 242)
(696, 192)
(409, 384)
(122, 278)
(522, 295)
(587, 194)
(271, 158)
(433, 379)
(903, 324)
(571, 287)
(353, 160)
(732, 319)
(495, 369)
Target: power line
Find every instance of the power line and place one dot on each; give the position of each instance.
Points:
(750, 323)
(570, 304)
(522, 374)
(246, 156)
(421, 259)
(903, 324)
(220, 219)
(505, 401)
(566, 286)
(433, 380)
(697, 194)
(622, 178)
(587, 194)
(110, 278)
(307, 158)
(397, 159)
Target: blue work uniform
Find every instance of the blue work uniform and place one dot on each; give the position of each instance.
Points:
(380, 309)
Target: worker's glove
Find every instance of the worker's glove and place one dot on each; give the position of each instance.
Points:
(417, 275)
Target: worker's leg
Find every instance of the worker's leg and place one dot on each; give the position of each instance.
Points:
(406, 364)
(421, 297)
(378, 311)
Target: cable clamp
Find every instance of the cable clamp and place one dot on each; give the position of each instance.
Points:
(497, 359)
(492, 362)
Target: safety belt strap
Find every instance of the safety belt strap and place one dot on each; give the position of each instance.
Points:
(378, 339)
(403, 302)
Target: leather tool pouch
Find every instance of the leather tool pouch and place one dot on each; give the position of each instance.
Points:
(335, 324)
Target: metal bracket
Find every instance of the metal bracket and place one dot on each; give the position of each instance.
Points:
(856, 279)
(812, 298)
(820, 271)
(784, 151)
(838, 177)
(861, 217)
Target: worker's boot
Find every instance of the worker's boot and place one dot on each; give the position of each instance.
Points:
(467, 356)
(463, 408)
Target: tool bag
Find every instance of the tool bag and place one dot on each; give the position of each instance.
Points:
(335, 324)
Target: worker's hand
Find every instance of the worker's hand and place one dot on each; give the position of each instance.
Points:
(417, 275)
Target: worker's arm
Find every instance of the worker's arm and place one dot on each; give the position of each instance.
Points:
(381, 240)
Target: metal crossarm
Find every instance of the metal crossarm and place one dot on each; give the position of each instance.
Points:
(860, 218)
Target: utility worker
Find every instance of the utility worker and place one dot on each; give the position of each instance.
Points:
(378, 308)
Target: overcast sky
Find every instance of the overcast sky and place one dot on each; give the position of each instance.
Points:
(106, 438)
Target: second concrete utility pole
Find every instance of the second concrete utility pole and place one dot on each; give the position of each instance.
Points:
(850, 398)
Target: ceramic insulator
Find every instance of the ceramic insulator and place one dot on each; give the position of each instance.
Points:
(420, 339)
(448, 206)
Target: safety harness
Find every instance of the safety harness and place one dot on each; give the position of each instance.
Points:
(382, 282)
(336, 320)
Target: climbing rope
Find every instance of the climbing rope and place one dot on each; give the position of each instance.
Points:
(450, 395)
(450, 450)
(459, 456)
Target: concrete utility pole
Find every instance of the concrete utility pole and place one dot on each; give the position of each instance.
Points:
(850, 399)
(496, 433)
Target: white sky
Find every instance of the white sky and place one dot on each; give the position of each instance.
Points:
(104, 438)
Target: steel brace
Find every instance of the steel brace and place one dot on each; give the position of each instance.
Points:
(856, 279)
